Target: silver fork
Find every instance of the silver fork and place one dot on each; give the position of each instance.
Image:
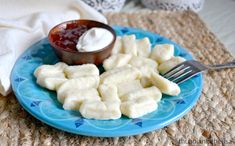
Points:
(188, 69)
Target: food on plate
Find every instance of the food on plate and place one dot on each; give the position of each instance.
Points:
(50, 70)
(142, 61)
(74, 98)
(127, 87)
(169, 64)
(76, 71)
(138, 107)
(146, 70)
(61, 65)
(77, 84)
(153, 92)
(166, 86)
(94, 39)
(143, 47)
(119, 75)
(146, 75)
(145, 66)
(130, 85)
(118, 47)
(162, 52)
(116, 60)
(50, 76)
(129, 45)
(102, 110)
(51, 83)
(109, 92)
(146, 82)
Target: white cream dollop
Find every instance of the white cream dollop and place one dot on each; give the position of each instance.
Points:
(94, 39)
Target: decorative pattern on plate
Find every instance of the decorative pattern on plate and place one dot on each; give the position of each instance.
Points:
(42, 103)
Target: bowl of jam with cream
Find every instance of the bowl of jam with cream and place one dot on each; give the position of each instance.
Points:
(82, 41)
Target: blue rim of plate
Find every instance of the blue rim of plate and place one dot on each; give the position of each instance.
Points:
(42, 103)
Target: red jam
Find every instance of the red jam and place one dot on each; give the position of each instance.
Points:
(68, 37)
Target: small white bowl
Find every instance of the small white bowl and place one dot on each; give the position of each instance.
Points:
(106, 5)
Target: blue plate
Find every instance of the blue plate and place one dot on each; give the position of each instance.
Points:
(42, 103)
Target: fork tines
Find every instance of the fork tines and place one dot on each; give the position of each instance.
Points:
(182, 72)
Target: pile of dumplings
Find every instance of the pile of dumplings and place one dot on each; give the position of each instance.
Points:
(131, 84)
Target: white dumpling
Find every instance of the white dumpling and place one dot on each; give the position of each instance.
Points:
(169, 64)
(162, 52)
(74, 98)
(118, 47)
(50, 70)
(50, 76)
(129, 86)
(138, 107)
(51, 83)
(129, 44)
(146, 71)
(77, 71)
(109, 92)
(77, 84)
(142, 61)
(45, 70)
(166, 86)
(152, 92)
(146, 66)
(119, 75)
(143, 47)
(146, 76)
(146, 82)
(116, 60)
(61, 65)
(100, 110)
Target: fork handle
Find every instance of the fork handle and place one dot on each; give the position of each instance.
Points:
(222, 66)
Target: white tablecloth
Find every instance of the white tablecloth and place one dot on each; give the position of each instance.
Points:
(24, 22)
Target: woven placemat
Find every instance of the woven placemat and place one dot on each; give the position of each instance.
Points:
(211, 121)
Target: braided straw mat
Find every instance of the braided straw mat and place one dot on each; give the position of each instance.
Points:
(210, 122)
